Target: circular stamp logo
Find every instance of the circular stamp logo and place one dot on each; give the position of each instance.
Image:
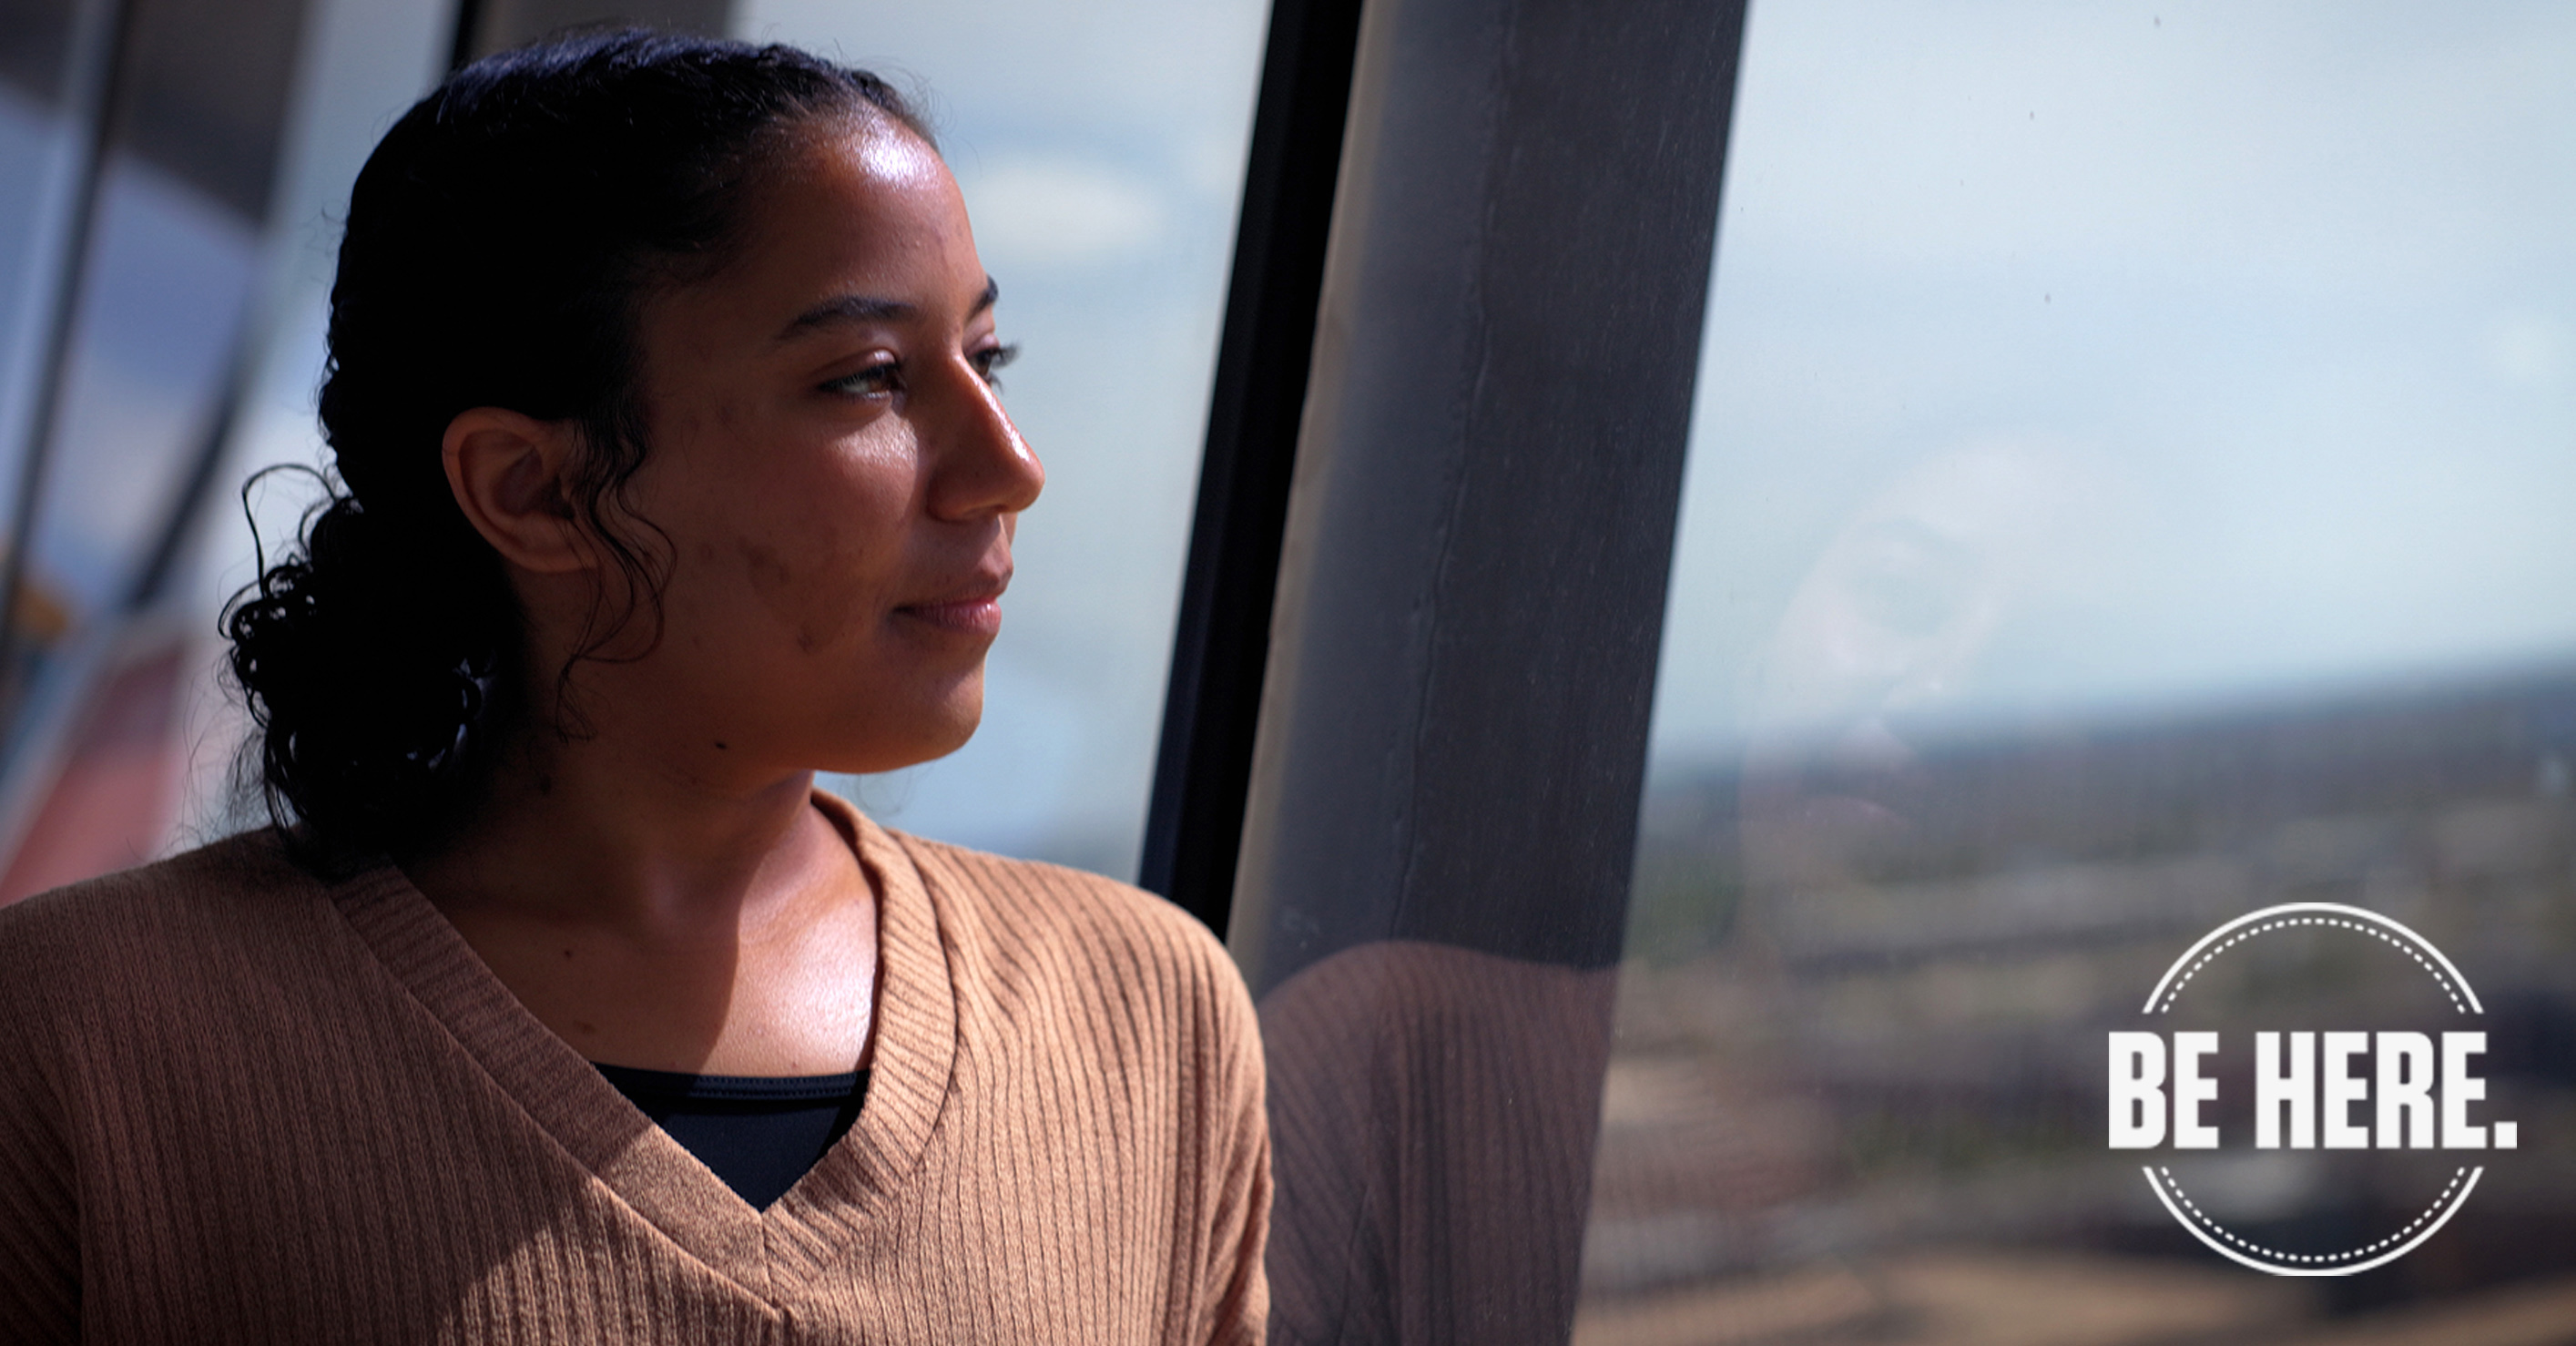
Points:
(2247, 1076)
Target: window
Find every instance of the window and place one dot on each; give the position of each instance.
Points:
(150, 135)
(2127, 490)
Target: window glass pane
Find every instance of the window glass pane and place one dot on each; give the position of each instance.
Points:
(161, 292)
(1100, 148)
(2129, 490)
(170, 285)
(41, 142)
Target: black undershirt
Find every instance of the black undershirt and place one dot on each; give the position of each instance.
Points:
(758, 1134)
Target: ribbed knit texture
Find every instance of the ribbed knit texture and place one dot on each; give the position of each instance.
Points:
(237, 1105)
(1434, 1110)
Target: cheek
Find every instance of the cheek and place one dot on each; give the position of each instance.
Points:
(819, 558)
(803, 585)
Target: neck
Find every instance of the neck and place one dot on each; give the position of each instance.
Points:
(596, 833)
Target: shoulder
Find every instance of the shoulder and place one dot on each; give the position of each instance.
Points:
(199, 910)
(1028, 930)
(1030, 899)
(218, 884)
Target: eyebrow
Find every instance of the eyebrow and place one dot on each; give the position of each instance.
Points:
(852, 308)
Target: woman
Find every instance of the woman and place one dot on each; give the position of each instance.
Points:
(661, 385)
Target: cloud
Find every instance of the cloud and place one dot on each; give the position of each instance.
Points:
(1055, 213)
(1154, 65)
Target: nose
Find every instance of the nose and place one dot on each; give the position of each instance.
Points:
(982, 467)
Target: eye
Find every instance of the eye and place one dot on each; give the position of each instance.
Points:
(988, 362)
(877, 380)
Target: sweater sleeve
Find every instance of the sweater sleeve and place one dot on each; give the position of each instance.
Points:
(39, 1215)
(1235, 1280)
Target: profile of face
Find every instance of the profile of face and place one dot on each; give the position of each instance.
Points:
(1919, 614)
(830, 470)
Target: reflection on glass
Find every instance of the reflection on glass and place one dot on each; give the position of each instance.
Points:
(1100, 148)
(2129, 490)
(1430, 1112)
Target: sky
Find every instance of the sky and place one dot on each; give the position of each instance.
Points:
(2266, 311)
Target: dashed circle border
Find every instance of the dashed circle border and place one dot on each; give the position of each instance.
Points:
(2313, 1264)
(2336, 914)
(2439, 979)
(2333, 915)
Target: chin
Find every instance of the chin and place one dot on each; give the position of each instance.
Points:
(930, 734)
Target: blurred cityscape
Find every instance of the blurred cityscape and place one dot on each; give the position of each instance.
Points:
(1856, 1089)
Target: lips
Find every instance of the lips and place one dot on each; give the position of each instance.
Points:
(973, 608)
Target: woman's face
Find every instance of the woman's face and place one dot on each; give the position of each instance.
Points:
(833, 470)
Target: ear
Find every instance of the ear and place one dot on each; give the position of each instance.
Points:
(507, 472)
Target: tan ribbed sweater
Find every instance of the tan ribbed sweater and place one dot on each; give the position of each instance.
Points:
(238, 1105)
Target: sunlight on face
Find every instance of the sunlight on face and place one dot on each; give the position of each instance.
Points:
(903, 162)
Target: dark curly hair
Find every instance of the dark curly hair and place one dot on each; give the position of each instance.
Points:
(498, 244)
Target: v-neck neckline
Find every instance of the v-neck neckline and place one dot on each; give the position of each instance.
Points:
(769, 1252)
